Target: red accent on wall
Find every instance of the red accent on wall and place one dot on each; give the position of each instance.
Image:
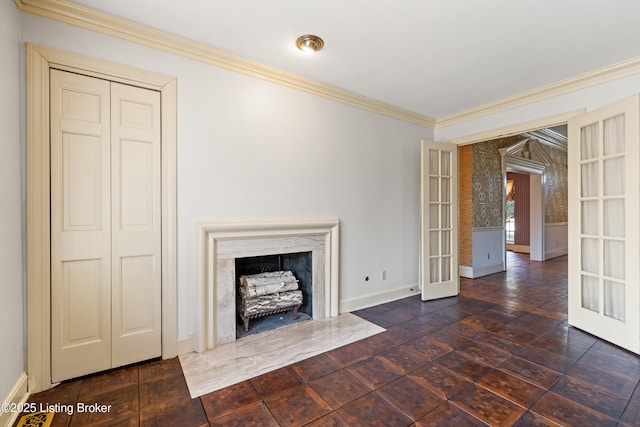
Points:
(522, 207)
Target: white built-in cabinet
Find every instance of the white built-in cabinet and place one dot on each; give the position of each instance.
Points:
(604, 225)
(105, 224)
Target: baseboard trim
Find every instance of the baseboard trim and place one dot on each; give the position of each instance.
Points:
(366, 301)
(556, 253)
(18, 394)
(487, 269)
(466, 271)
(185, 345)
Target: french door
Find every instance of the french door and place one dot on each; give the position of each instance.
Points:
(604, 229)
(105, 225)
(439, 275)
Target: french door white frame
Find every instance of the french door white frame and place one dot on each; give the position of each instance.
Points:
(39, 61)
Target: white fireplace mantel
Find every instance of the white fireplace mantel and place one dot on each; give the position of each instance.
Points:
(219, 241)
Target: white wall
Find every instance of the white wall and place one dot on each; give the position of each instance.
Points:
(488, 251)
(249, 149)
(556, 241)
(12, 347)
(588, 98)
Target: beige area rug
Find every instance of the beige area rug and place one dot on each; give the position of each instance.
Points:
(255, 355)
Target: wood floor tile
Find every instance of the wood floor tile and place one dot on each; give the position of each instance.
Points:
(567, 412)
(530, 419)
(531, 372)
(254, 415)
(297, 406)
(481, 323)
(487, 406)
(330, 420)
(349, 354)
(373, 411)
(390, 318)
(375, 372)
(430, 347)
(183, 414)
(591, 374)
(560, 346)
(486, 354)
(156, 369)
(123, 408)
(448, 415)
(631, 415)
(108, 381)
(410, 397)
(378, 343)
(463, 366)
(511, 388)
(606, 402)
(229, 399)
(439, 380)
(339, 388)
(404, 358)
(554, 361)
(276, 381)
(315, 367)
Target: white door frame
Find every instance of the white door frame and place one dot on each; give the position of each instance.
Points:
(39, 60)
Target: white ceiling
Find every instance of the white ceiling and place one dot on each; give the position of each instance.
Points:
(433, 57)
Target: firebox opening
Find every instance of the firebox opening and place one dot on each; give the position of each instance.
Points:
(300, 264)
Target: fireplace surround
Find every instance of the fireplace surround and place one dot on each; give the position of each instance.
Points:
(221, 242)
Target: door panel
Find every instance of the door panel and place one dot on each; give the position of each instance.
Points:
(80, 226)
(105, 225)
(136, 224)
(604, 200)
(439, 221)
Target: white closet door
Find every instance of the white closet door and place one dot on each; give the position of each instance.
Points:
(136, 207)
(439, 221)
(80, 226)
(105, 225)
(604, 232)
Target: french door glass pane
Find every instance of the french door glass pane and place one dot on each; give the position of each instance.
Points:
(446, 216)
(434, 195)
(614, 300)
(446, 190)
(589, 179)
(446, 163)
(590, 218)
(434, 164)
(589, 142)
(446, 242)
(434, 240)
(613, 258)
(434, 267)
(590, 298)
(613, 171)
(446, 269)
(590, 255)
(613, 135)
(433, 216)
(613, 217)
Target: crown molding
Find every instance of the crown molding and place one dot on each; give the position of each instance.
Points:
(601, 75)
(93, 20)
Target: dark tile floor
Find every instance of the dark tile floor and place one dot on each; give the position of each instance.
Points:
(499, 354)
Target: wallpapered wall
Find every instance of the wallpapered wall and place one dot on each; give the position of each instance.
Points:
(487, 183)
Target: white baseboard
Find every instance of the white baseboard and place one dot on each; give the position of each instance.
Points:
(366, 301)
(485, 270)
(18, 394)
(556, 253)
(466, 271)
(185, 345)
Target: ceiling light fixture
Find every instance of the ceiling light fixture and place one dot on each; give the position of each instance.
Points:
(309, 43)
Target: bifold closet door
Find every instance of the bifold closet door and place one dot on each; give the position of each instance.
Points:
(105, 224)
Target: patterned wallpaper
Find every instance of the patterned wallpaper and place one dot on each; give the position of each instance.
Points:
(487, 183)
